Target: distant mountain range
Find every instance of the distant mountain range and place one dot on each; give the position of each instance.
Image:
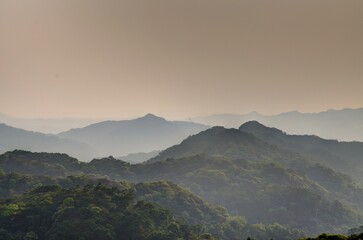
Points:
(150, 133)
(145, 134)
(14, 138)
(345, 124)
(117, 138)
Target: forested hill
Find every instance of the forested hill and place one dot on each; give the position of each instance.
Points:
(77, 207)
(229, 143)
(89, 212)
(346, 157)
(313, 199)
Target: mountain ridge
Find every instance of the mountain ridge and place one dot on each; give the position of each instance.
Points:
(231, 143)
(144, 134)
(118, 138)
(342, 155)
(14, 138)
(344, 124)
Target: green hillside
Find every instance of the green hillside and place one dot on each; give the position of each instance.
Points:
(188, 212)
(346, 157)
(264, 192)
(89, 212)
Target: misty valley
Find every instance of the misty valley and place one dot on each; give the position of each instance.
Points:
(149, 178)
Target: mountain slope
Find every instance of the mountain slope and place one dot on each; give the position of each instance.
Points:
(14, 138)
(229, 143)
(89, 212)
(313, 199)
(342, 156)
(263, 192)
(144, 134)
(345, 124)
(190, 211)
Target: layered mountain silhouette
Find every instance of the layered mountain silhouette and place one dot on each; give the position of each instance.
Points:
(14, 138)
(276, 181)
(117, 138)
(345, 124)
(145, 134)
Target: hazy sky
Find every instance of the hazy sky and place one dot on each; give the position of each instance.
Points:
(178, 58)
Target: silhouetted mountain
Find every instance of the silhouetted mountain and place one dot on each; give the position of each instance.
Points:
(342, 156)
(143, 134)
(256, 127)
(13, 138)
(345, 124)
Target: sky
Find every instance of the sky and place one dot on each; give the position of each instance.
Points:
(178, 58)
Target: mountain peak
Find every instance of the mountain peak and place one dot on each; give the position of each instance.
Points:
(217, 141)
(256, 127)
(143, 134)
(253, 123)
(151, 116)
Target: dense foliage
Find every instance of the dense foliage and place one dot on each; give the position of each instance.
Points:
(89, 212)
(343, 156)
(313, 199)
(186, 207)
(262, 192)
(325, 236)
(231, 144)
